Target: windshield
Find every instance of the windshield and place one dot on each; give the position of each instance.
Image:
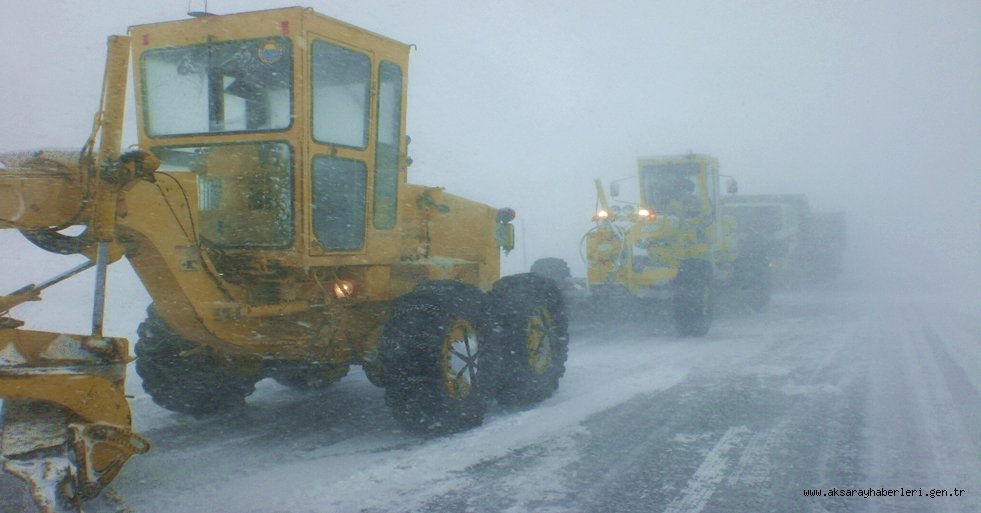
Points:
(245, 195)
(234, 86)
(665, 183)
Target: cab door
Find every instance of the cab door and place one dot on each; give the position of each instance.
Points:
(356, 126)
(340, 124)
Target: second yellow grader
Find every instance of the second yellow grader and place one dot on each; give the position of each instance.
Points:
(670, 241)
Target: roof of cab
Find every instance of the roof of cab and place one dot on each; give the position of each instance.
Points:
(303, 12)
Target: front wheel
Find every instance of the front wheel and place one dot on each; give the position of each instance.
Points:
(693, 308)
(433, 358)
(533, 334)
(183, 377)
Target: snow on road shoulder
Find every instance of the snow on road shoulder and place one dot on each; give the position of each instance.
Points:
(356, 476)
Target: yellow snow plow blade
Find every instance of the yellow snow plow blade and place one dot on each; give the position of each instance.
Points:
(66, 423)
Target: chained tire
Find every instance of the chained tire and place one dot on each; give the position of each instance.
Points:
(554, 269)
(533, 339)
(184, 378)
(433, 357)
(692, 298)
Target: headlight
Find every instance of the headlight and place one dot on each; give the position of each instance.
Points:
(646, 213)
(344, 289)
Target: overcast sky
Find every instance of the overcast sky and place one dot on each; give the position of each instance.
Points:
(872, 107)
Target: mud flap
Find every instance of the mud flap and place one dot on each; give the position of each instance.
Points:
(67, 428)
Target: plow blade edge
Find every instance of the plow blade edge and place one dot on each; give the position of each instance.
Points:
(66, 423)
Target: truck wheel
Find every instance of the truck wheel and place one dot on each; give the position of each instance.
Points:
(693, 298)
(433, 356)
(186, 383)
(554, 269)
(529, 357)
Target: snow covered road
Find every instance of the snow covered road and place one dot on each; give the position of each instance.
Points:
(830, 391)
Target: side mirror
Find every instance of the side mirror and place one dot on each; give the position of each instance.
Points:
(614, 189)
(504, 235)
(731, 186)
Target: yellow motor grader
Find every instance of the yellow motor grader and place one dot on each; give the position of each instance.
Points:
(267, 212)
(670, 242)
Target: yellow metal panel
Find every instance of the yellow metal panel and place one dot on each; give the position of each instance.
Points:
(85, 375)
(41, 194)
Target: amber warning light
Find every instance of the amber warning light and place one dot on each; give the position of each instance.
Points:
(506, 215)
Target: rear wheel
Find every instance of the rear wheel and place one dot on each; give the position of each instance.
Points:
(530, 356)
(183, 377)
(554, 269)
(693, 307)
(433, 356)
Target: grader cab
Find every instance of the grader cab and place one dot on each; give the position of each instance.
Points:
(266, 210)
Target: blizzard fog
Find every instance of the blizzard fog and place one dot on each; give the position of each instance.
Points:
(867, 107)
(872, 108)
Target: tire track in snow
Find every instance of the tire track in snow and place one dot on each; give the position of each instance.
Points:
(922, 433)
(709, 474)
(961, 388)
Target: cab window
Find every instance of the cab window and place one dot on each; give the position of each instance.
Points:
(230, 86)
(341, 92)
(245, 191)
(339, 187)
(387, 147)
